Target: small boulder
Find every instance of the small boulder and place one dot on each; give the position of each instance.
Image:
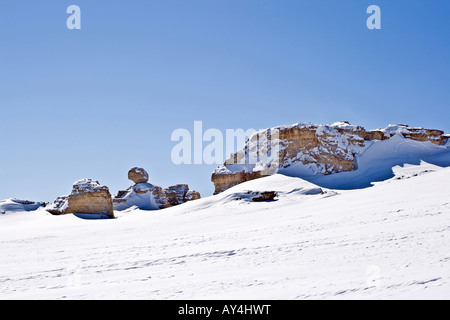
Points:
(265, 196)
(192, 195)
(138, 175)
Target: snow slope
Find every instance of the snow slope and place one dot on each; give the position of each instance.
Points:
(388, 241)
(376, 163)
(18, 206)
(140, 196)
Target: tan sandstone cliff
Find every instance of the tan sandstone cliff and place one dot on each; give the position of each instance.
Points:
(325, 149)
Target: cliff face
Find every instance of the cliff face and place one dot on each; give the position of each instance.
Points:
(324, 149)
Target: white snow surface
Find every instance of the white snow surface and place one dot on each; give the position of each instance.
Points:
(139, 196)
(86, 186)
(394, 129)
(388, 241)
(375, 163)
(9, 206)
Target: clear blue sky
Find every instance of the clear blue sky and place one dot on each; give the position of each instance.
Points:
(92, 103)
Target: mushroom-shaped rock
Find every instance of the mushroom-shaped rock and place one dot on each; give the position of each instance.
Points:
(138, 175)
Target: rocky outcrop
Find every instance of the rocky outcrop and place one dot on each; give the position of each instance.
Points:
(256, 196)
(224, 180)
(179, 194)
(418, 134)
(323, 149)
(146, 196)
(265, 196)
(88, 197)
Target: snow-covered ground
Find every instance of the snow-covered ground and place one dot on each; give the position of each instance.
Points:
(380, 232)
(388, 241)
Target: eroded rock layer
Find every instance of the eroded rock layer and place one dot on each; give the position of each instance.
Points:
(323, 149)
(88, 197)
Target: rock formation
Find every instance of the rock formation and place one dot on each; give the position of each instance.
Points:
(180, 193)
(256, 196)
(146, 196)
(265, 196)
(138, 175)
(323, 149)
(87, 196)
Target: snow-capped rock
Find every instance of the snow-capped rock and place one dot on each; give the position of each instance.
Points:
(322, 149)
(144, 196)
(87, 196)
(147, 196)
(138, 175)
(180, 193)
(191, 195)
(419, 134)
(16, 205)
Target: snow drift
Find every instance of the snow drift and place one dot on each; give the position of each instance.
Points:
(389, 241)
(315, 237)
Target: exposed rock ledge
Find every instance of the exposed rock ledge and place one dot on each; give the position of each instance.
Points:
(325, 149)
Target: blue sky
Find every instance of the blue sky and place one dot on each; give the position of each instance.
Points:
(92, 103)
